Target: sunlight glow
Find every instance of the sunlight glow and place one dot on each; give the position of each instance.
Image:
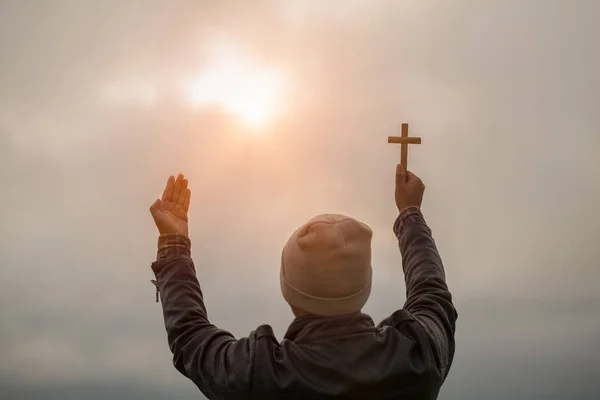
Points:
(130, 92)
(240, 86)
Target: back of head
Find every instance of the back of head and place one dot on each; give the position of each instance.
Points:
(326, 266)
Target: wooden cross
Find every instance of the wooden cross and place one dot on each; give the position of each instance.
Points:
(404, 140)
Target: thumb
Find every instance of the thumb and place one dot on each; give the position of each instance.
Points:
(400, 175)
(155, 206)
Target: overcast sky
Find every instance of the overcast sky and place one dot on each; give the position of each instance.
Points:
(95, 115)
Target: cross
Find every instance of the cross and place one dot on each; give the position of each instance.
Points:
(404, 140)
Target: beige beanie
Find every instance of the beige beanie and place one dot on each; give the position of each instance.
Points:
(326, 266)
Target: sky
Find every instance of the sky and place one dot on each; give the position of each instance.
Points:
(277, 111)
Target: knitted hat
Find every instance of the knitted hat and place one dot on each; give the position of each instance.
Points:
(326, 266)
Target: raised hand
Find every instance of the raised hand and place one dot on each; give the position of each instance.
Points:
(409, 189)
(170, 212)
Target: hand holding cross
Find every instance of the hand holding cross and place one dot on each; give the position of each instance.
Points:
(404, 140)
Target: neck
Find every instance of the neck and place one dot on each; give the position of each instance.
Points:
(315, 327)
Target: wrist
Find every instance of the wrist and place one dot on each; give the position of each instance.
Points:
(406, 217)
(173, 244)
(407, 208)
(172, 231)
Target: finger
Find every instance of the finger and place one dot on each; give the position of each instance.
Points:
(400, 174)
(412, 179)
(183, 193)
(186, 203)
(168, 193)
(177, 190)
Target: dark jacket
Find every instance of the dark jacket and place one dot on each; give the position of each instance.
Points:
(406, 356)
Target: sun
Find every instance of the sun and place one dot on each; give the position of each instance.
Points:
(240, 86)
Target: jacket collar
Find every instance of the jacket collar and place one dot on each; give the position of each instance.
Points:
(312, 327)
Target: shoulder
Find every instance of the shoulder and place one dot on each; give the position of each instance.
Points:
(397, 319)
(263, 340)
(263, 332)
(405, 326)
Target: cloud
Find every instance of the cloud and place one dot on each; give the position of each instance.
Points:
(503, 96)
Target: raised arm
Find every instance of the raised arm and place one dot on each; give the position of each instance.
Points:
(428, 299)
(212, 358)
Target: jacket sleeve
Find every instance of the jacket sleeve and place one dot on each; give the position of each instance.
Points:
(428, 299)
(212, 358)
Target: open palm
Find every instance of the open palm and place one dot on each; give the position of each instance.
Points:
(170, 212)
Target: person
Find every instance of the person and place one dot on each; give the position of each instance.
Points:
(332, 350)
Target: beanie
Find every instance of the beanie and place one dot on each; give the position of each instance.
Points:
(326, 266)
